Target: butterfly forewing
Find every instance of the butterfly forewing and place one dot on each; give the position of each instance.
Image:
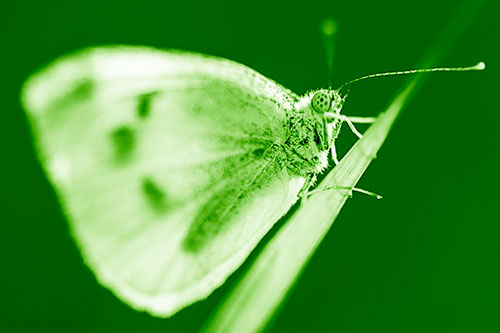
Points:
(166, 165)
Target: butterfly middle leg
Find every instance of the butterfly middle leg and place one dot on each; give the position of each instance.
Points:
(351, 121)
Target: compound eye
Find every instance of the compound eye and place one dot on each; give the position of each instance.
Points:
(321, 101)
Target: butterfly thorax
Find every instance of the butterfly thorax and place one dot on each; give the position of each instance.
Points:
(306, 144)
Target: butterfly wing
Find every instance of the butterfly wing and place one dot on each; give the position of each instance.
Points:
(167, 165)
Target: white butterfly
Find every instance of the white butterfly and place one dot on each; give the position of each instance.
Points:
(171, 166)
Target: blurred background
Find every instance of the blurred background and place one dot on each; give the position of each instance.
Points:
(426, 258)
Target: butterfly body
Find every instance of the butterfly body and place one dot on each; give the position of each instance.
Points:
(171, 166)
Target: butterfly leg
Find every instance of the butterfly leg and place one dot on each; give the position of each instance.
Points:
(351, 126)
(304, 191)
(362, 120)
(350, 189)
(334, 153)
(351, 120)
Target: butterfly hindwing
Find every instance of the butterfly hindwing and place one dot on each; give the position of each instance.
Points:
(166, 165)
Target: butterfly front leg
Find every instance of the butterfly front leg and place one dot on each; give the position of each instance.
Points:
(332, 128)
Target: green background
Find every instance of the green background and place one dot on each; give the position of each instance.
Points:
(424, 259)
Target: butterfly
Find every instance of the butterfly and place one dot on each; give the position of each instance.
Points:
(171, 166)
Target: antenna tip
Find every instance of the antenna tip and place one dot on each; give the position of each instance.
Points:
(480, 66)
(328, 26)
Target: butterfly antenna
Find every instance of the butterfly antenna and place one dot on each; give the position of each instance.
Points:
(328, 30)
(479, 67)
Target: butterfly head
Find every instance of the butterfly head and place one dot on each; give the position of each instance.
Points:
(325, 106)
(327, 101)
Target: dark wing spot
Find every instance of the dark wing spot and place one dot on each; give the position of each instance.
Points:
(80, 91)
(155, 196)
(211, 218)
(225, 204)
(83, 89)
(123, 141)
(258, 152)
(144, 105)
